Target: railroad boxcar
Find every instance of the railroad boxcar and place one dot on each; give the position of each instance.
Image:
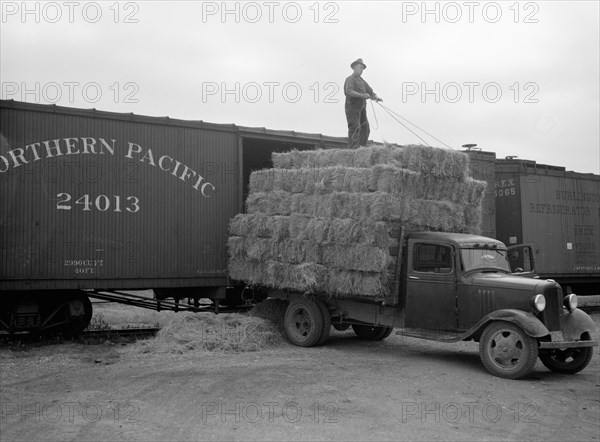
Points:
(553, 216)
(93, 200)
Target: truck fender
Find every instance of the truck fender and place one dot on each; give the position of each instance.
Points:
(525, 320)
(576, 323)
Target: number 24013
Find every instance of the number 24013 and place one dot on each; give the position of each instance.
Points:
(103, 203)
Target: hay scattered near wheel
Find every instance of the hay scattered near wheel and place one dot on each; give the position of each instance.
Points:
(202, 333)
(272, 310)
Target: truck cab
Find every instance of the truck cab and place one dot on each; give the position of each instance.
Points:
(454, 280)
(459, 287)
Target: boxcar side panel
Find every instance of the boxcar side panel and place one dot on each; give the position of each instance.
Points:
(96, 202)
(561, 215)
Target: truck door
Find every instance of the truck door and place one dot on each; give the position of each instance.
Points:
(431, 287)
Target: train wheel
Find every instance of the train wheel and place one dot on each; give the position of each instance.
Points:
(79, 313)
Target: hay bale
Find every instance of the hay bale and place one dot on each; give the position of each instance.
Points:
(374, 206)
(473, 220)
(308, 228)
(235, 245)
(269, 203)
(423, 159)
(321, 220)
(355, 284)
(387, 179)
(360, 257)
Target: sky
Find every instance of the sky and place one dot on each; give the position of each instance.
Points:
(515, 78)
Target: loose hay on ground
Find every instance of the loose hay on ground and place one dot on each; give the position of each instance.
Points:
(228, 332)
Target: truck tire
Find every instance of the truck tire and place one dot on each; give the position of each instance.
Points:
(341, 327)
(371, 332)
(569, 360)
(326, 321)
(507, 351)
(388, 331)
(303, 322)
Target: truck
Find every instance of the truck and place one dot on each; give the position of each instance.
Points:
(452, 287)
(93, 203)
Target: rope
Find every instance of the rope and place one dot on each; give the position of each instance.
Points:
(404, 125)
(374, 115)
(396, 117)
(356, 133)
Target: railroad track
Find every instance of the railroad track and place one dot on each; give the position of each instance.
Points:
(93, 334)
(123, 332)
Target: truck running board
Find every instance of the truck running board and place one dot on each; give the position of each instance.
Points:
(431, 335)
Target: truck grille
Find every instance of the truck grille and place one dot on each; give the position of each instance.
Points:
(552, 314)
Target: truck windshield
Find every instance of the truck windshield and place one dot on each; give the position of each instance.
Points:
(484, 259)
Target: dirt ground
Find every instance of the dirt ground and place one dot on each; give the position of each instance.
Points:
(397, 389)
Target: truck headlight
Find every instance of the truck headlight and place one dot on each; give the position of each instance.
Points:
(538, 302)
(570, 302)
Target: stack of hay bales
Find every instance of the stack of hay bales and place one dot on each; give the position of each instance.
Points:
(321, 221)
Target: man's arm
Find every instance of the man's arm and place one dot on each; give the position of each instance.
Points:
(371, 93)
(350, 89)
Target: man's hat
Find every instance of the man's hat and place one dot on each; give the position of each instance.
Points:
(359, 61)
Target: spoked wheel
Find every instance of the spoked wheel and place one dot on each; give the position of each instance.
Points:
(507, 351)
(304, 322)
(46, 314)
(371, 332)
(568, 360)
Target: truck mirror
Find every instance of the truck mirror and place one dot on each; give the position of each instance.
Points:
(521, 259)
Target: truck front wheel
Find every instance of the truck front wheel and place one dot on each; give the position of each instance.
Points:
(304, 322)
(568, 360)
(507, 351)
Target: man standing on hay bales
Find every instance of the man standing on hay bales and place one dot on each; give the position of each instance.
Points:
(357, 92)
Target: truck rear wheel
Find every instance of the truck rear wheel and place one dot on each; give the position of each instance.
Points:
(568, 360)
(304, 322)
(341, 327)
(326, 321)
(371, 332)
(507, 351)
